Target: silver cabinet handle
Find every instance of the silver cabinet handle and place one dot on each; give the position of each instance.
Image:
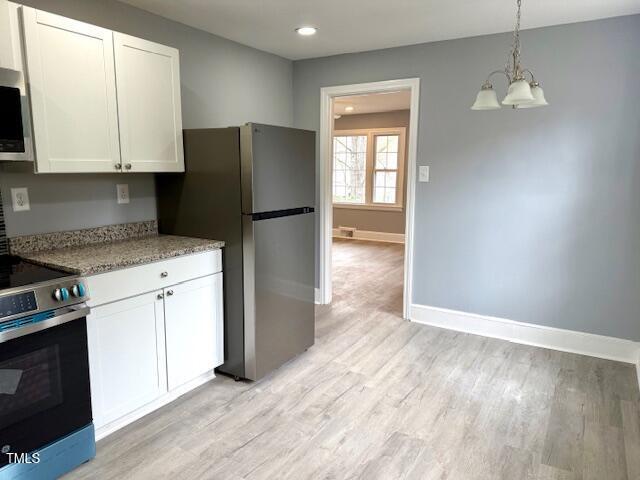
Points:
(127, 166)
(164, 274)
(169, 292)
(160, 296)
(118, 166)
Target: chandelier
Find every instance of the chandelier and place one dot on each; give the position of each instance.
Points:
(522, 93)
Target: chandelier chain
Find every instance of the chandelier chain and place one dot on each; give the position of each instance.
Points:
(513, 63)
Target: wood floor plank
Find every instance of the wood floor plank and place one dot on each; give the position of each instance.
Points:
(631, 434)
(604, 452)
(378, 397)
(564, 442)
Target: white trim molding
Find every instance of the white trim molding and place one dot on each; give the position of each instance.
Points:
(371, 236)
(317, 297)
(327, 94)
(103, 431)
(368, 206)
(600, 346)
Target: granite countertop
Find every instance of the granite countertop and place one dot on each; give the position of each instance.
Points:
(112, 255)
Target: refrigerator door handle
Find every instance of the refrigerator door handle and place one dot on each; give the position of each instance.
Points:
(281, 213)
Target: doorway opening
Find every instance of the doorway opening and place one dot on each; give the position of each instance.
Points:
(368, 146)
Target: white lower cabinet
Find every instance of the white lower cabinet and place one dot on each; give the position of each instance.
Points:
(150, 348)
(127, 362)
(193, 329)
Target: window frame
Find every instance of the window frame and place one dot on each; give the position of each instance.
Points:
(366, 164)
(371, 134)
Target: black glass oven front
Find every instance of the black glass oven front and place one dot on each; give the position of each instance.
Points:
(44, 387)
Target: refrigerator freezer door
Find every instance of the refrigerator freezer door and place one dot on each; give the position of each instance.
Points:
(278, 168)
(279, 273)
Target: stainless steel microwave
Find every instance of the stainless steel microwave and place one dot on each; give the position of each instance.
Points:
(15, 126)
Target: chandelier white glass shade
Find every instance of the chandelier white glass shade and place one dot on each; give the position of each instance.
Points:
(519, 93)
(487, 99)
(538, 97)
(523, 92)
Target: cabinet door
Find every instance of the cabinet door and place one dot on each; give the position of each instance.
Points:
(73, 94)
(150, 114)
(193, 324)
(126, 356)
(6, 39)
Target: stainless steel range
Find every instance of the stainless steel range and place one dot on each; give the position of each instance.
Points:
(45, 403)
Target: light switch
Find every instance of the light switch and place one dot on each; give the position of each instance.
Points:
(122, 190)
(423, 173)
(20, 199)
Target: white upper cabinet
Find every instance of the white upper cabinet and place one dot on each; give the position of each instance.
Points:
(73, 94)
(6, 39)
(148, 85)
(101, 101)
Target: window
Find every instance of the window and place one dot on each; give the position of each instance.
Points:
(385, 169)
(349, 168)
(368, 168)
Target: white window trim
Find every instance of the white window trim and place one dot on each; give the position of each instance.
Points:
(371, 133)
(364, 206)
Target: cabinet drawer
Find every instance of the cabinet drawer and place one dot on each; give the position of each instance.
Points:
(127, 282)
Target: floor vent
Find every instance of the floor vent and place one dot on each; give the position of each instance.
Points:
(347, 232)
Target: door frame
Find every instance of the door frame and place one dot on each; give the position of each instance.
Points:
(327, 94)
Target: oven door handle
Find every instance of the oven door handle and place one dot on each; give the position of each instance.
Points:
(68, 316)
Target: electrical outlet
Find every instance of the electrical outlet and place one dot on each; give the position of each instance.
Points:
(423, 173)
(20, 199)
(122, 191)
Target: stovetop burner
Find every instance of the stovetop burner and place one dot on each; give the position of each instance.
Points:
(15, 272)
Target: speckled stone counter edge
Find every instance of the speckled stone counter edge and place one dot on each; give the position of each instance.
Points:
(56, 258)
(87, 236)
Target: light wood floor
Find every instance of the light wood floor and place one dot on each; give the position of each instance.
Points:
(378, 397)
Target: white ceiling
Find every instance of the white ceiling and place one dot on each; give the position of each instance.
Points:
(359, 25)
(373, 103)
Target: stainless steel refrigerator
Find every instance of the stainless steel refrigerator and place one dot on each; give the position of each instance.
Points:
(253, 187)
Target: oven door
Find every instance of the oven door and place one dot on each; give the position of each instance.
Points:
(44, 383)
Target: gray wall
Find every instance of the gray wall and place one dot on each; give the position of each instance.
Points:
(72, 202)
(531, 215)
(373, 220)
(223, 83)
(369, 220)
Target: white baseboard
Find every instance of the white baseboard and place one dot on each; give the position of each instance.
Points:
(318, 297)
(610, 348)
(372, 236)
(109, 428)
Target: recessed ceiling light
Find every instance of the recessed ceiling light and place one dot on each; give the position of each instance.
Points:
(349, 108)
(306, 31)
